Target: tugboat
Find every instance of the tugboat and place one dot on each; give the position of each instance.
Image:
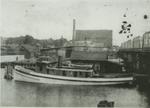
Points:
(49, 72)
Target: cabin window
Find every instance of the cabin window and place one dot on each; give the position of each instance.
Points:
(87, 74)
(75, 74)
(64, 73)
(52, 72)
(55, 72)
(70, 73)
(96, 68)
(59, 72)
(40, 68)
(81, 74)
(47, 71)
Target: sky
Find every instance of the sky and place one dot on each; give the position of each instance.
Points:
(44, 19)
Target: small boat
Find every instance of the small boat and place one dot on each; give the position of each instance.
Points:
(105, 103)
(69, 76)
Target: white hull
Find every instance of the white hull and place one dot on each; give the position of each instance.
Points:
(31, 76)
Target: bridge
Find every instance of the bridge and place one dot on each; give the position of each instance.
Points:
(136, 56)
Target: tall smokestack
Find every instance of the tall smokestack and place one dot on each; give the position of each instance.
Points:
(74, 30)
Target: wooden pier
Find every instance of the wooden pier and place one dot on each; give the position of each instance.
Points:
(137, 61)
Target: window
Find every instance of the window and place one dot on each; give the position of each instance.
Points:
(64, 73)
(87, 74)
(80, 74)
(47, 71)
(75, 74)
(40, 68)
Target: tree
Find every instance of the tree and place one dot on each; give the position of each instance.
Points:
(28, 39)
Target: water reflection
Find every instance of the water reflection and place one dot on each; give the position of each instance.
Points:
(31, 94)
(145, 90)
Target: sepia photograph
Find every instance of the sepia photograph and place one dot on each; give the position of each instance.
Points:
(75, 53)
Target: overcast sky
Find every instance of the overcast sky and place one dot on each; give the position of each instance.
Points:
(45, 19)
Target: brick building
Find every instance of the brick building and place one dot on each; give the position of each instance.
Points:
(99, 38)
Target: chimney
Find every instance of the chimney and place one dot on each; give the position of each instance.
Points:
(74, 30)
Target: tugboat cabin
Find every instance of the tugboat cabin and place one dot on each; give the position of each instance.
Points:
(70, 72)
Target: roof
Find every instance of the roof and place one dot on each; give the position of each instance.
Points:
(48, 58)
(89, 56)
(146, 32)
(71, 70)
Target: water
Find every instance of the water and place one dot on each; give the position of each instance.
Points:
(30, 94)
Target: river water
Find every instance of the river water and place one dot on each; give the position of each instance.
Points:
(34, 95)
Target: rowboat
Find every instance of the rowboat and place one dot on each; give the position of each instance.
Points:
(68, 76)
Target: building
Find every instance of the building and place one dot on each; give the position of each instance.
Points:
(99, 38)
(84, 56)
(28, 51)
(54, 52)
(85, 42)
(89, 43)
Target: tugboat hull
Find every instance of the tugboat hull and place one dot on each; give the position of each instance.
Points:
(22, 74)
